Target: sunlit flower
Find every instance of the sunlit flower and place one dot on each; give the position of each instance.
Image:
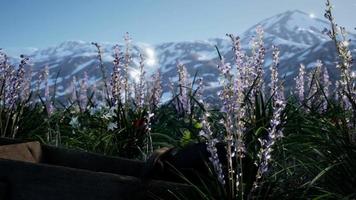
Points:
(112, 126)
(74, 122)
(300, 82)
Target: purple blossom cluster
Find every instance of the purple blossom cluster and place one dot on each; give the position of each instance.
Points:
(211, 142)
(140, 86)
(274, 72)
(258, 51)
(128, 60)
(300, 83)
(83, 92)
(117, 77)
(338, 34)
(240, 84)
(78, 88)
(275, 131)
(48, 100)
(106, 90)
(156, 91)
(183, 105)
(14, 92)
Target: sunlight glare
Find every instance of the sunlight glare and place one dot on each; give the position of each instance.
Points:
(150, 57)
(135, 75)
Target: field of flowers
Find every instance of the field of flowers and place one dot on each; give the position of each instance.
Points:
(298, 144)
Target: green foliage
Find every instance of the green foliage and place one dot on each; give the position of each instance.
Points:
(186, 138)
(316, 159)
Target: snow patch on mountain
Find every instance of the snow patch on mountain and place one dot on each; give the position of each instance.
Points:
(299, 37)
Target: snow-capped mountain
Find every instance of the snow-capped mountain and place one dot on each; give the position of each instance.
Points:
(295, 26)
(299, 37)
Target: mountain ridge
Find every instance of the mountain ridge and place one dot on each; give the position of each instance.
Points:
(294, 32)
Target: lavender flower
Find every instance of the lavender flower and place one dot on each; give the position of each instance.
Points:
(140, 87)
(232, 96)
(48, 100)
(156, 91)
(14, 83)
(26, 91)
(83, 94)
(300, 82)
(225, 69)
(261, 50)
(116, 77)
(207, 133)
(338, 35)
(128, 61)
(200, 90)
(226, 94)
(315, 94)
(274, 72)
(184, 84)
(103, 72)
(240, 82)
(326, 85)
(275, 133)
(258, 55)
(13, 87)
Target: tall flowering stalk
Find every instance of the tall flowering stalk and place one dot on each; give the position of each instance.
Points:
(338, 35)
(347, 81)
(52, 134)
(242, 76)
(199, 91)
(116, 77)
(326, 82)
(83, 93)
(274, 131)
(259, 56)
(300, 83)
(128, 60)
(19, 86)
(141, 85)
(314, 96)
(183, 105)
(27, 90)
(234, 135)
(274, 71)
(103, 71)
(156, 91)
(211, 142)
(249, 72)
(15, 83)
(12, 89)
(241, 88)
(48, 100)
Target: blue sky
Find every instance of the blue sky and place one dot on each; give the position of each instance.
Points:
(41, 23)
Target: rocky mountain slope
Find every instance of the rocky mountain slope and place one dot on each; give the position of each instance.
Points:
(299, 37)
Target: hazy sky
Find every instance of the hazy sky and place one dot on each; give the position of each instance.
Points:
(41, 23)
